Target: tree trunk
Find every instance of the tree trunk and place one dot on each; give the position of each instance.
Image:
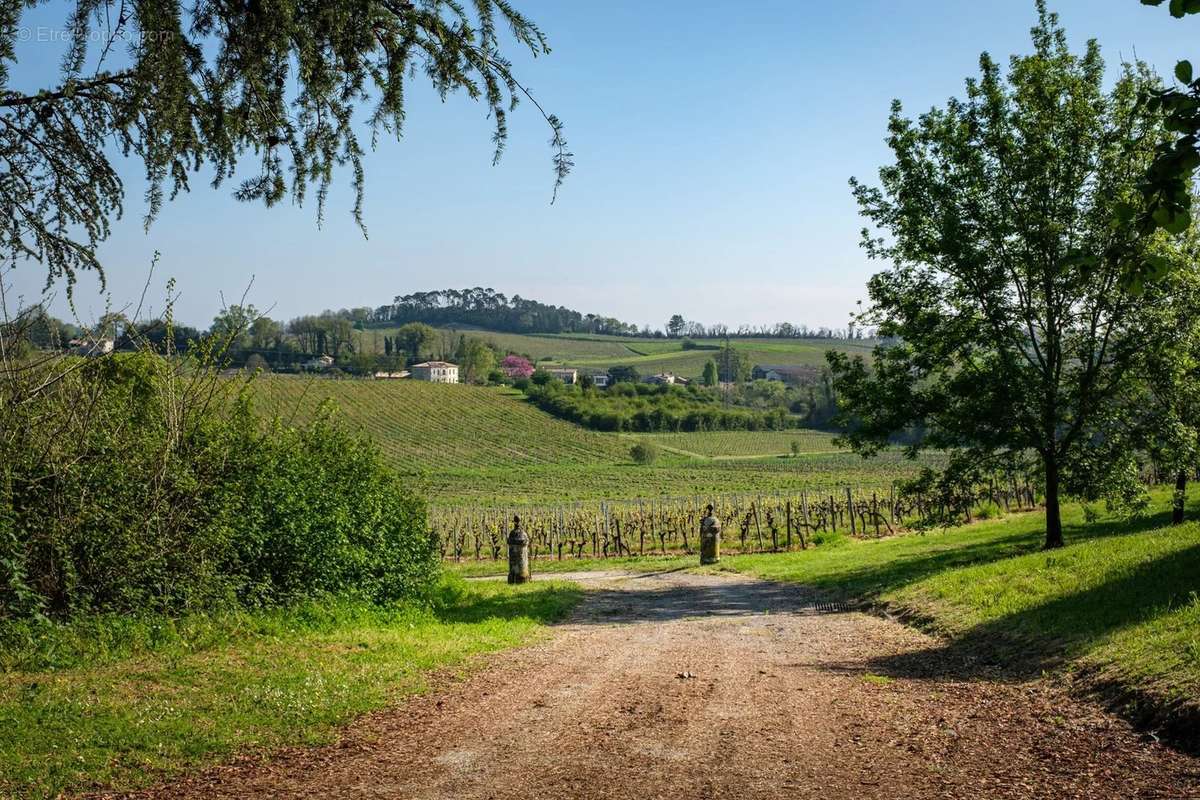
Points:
(1181, 482)
(1054, 534)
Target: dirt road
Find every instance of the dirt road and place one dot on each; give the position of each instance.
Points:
(679, 686)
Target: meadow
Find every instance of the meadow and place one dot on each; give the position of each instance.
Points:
(743, 444)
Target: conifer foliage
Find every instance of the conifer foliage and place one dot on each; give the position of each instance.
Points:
(185, 87)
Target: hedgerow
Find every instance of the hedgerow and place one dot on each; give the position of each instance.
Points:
(146, 483)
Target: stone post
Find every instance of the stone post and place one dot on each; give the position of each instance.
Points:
(518, 554)
(710, 538)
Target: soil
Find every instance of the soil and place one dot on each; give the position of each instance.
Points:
(678, 685)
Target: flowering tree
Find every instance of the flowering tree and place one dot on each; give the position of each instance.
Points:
(515, 366)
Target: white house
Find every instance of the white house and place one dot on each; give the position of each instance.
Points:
(435, 372)
(569, 376)
(319, 363)
(91, 347)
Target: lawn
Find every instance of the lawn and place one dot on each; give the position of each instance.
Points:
(1118, 607)
(121, 703)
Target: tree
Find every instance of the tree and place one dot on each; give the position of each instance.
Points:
(516, 366)
(644, 453)
(623, 374)
(732, 365)
(709, 376)
(1011, 332)
(475, 360)
(676, 325)
(414, 338)
(209, 86)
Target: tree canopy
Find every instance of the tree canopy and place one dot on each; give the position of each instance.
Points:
(1009, 330)
(209, 86)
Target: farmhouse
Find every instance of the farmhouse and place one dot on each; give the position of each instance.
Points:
(600, 380)
(664, 379)
(569, 376)
(435, 372)
(91, 347)
(319, 363)
(391, 376)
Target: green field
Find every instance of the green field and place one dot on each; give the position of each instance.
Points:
(485, 446)
(742, 444)
(649, 356)
(426, 426)
(121, 703)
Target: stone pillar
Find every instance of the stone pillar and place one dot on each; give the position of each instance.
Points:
(518, 554)
(710, 538)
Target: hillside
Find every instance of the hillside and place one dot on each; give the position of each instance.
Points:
(648, 356)
(430, 426)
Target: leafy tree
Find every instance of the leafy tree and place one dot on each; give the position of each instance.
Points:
(516, 366)
(414, 339)
(623, 374)
(709, 376)
(475, 360)
(1012, 335)
(211, 85)
(733, 366)
(644, 453)
(676, 325)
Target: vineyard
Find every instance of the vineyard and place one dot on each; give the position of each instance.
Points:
(421, 426)
(743, 444)
(753, 523)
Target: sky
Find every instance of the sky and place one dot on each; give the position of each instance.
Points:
(713, 146)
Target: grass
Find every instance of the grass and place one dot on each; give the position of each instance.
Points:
(1118, 606)
(476, 445)
(82, 710)
(422, 426)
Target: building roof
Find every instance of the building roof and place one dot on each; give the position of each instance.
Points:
(436, 364)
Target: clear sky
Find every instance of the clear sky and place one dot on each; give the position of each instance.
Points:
(713, 144)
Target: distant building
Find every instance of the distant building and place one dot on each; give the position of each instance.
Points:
(663, 379)
(600, 380)
(391, 376)
(319, 363)
(435, 372)
(565, 375)
(789, 373)
(92, 348)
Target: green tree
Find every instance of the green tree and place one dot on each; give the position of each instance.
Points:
(1011, 333)
(209, 87)
(709, 376)
(475, 360)
(414, 339)
(675, 325)
(644, 453)
(623, 374)
(732, 364)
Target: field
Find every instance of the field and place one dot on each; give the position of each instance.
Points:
(423, 426)
(649, 356)
(484, 446)
(742, 444)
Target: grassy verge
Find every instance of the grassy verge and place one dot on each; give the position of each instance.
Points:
(122, 704)
(1118, 606)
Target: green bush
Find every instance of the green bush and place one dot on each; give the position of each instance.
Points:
(644, 453)
(146, 483)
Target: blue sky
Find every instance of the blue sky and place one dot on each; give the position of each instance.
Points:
(713, 144)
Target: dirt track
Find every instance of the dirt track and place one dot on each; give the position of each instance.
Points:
(679, 686)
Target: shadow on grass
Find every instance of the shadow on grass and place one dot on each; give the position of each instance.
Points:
(902, 569)
(1023, 645)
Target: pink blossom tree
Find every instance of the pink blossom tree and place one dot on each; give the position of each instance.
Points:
(515, 366)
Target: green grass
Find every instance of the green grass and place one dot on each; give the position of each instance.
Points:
(423, 426)
(742, 444)
(81, 709)
(1119, 604)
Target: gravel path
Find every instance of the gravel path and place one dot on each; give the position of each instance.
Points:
(677, 685)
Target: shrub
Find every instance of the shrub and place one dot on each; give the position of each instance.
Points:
(145, 482)
(644, 453)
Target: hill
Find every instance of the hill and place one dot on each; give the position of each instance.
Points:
(647, 355)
